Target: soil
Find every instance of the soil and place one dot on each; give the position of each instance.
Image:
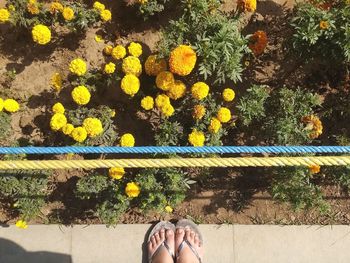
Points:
(225, 196)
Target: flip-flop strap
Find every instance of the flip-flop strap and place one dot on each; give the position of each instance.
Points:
(168, 249)
(185, 241)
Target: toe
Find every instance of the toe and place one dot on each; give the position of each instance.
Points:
(157, 237)
(187, 233)
(162, 234)
(196, 240)
(169, 234)
(153, 241)
(192, 235)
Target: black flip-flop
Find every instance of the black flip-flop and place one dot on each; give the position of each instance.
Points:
(166, 226)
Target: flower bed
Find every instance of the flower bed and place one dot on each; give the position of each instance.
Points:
(206, 82)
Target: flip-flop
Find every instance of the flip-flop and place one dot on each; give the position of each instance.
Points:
(167, 226)
(183, 223)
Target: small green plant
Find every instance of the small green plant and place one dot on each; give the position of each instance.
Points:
(294, 185)
(161, 188)
(251, 106)
(322, 28)
(168, 133)
(215, 36)
(285, 115)
(110, 201)
(5, 125)
(26, 191)
(148, 8)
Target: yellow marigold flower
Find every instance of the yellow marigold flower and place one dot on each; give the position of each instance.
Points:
(41, 34)
(58, 108)
(198, 112)
(324, 25)
(68, 13)
(98, 38)
(224, 115)
(200, 90)
(314, 124)
(67, 129)
(228, 95)
(132, 65)
(154, 65)
(258, 42)
(106, 15)
(113, 113)
(247, 5)
(130, 84)
(118, 52)
(147, 103)
(56, 81)
(21, 224)
(108, 50)
(32, 7)
(11, 105)
(78, 67)
(79, 134)
(196, 138)
(142, 2)
(182, 60)
(56, 7)
(93, 126)
(167, 110)
(168, 209)
(314, 169)
(81, 95)
(109, 68)
(162, 100)
(1, 104)
(116, 172)
(135, 49)
(177, 90)
(58, 121)
(11, 8)
(99, 6)
(127, 140)
(132, 190)
(164, 80)
(215, 125)
(4, 15)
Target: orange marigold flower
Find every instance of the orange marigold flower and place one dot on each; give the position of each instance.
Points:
(258, 42)
(324, 25)
(314, 125)
(182, 60)
(247, 5)
(314, 169)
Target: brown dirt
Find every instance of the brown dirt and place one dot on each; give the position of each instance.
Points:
(231, 199)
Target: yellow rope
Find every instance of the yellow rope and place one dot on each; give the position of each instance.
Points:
(177, 162)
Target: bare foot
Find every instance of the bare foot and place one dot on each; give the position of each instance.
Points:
(162, 256)
(186, 255)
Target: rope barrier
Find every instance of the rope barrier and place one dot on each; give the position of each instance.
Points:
(178, 162)
(175, 149)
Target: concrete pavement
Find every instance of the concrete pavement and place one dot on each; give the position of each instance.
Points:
(223, 244)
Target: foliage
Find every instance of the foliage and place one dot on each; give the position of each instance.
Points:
(216, 38)
(322, 28)
(251, 106)
(168, 133)
(110, 202)
(161, 187)
(294, 185)
(279, 113)
(5, 125)
(26, 190)
(149, 7)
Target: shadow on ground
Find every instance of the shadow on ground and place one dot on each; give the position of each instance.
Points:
(10, 252)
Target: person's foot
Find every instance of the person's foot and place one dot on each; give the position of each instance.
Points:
(186, 255)
(156, 240)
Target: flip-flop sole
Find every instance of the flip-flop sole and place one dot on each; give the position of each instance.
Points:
(185, 222)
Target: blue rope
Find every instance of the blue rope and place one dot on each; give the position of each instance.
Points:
(175, 149)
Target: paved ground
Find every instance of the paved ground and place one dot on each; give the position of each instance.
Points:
(223, 244)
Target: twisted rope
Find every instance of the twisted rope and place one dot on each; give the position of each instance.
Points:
(175, 149)
(178, 162)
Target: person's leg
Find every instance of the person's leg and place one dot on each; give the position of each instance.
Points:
(162, 256)
(186, 255)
